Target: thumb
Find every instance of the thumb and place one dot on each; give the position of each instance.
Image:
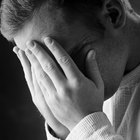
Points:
(92, 69)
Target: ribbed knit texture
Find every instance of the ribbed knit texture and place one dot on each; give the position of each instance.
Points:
(94, 127)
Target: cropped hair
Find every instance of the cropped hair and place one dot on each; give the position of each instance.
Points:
(16, 13)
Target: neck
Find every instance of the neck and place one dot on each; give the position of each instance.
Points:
(133, 41)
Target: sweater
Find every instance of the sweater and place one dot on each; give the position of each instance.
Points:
(119, 121)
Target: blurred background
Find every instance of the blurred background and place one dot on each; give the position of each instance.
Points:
(20, 118)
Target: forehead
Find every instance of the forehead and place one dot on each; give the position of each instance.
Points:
(43, 23)
(52, 24)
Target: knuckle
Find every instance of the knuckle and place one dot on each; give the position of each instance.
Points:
(42, 75)
(49, 67)
(64, 60)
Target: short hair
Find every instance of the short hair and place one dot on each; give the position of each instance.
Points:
(15, 13)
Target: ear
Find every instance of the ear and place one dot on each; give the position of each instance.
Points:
(114, 12)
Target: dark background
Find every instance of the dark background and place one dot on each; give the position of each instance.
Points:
(20, 118)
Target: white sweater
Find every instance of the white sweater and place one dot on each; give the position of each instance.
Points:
(125, 121)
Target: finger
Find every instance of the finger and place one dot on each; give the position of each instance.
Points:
(67, 64)
(40, 74)
(15, 50)
(48, 64)
(38, 89)
(43, 89)
(38, 97)
(27, 69)
(92, 69)
(42, 101)
(45, 83)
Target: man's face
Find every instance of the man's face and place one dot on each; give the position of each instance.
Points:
(77, 40)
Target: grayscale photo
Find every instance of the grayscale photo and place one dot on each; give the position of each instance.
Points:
(70, 69)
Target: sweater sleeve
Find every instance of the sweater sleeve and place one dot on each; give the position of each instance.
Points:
(95, 126)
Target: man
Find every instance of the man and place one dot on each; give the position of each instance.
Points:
(111, 29)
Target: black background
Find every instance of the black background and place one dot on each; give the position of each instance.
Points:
(20, 118)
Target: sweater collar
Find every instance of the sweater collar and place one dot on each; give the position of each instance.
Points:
(132, 76)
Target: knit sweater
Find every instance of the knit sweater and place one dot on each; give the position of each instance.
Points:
(123, 121)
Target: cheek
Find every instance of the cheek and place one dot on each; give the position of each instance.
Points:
(80, 59)
(112, 70)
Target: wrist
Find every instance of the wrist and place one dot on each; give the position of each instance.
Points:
(60, 133)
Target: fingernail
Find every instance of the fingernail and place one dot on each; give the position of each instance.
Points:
(14, 50)
(30, 44)
(28, 52)
(92, 54)
(48, 40)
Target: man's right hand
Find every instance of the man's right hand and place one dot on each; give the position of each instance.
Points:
(37, 96)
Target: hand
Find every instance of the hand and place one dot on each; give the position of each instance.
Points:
(70, 95)
(37, 96)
